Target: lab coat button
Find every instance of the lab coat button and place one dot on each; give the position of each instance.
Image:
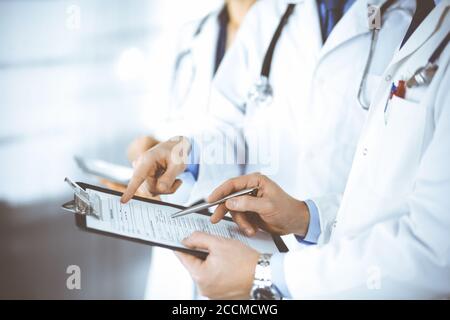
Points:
(365, 152)
(388, 77)
(334, 223)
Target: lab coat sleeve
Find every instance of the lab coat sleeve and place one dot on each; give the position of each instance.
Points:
(407, 256)
(327, 208)
(221, 147)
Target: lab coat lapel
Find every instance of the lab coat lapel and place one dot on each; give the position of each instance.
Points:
(352, 24)
(417, 39)
(201, 56)
(423, 32)
(311, 24)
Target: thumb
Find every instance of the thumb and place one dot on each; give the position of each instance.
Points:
(200, 240)
(175, 186)
(166, 182)
(247, 203)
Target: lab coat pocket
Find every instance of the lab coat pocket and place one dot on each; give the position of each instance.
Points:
(398, 148)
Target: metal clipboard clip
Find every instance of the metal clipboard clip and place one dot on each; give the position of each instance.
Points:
(83, 203)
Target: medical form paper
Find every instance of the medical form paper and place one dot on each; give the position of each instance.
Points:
(152, 222)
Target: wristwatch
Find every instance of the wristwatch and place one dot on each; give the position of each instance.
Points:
(263, 288)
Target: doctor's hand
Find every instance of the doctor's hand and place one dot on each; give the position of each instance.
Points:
(272, 209)
(141, 192)
(227, 272)
(140, 145)
(159, 167)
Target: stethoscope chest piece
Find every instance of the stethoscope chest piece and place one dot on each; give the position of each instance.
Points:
(261, 93)
(422, 76)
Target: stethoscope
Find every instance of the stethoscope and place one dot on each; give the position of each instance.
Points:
(185, 58)
(262, 92)
(425, 74)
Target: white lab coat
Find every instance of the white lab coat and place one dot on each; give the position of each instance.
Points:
(192, 76)
(390, 237)
(308, 135)
(191, 85)
(190, 94)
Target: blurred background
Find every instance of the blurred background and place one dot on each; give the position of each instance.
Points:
(78, 78)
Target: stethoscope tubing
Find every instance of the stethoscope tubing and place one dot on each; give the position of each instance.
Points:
(268, 57)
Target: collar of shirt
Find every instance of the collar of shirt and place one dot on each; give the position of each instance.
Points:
(321, 7)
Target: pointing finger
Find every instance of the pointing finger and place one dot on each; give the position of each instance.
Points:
(143, 166)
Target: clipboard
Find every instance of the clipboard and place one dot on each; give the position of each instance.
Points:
(81, 209)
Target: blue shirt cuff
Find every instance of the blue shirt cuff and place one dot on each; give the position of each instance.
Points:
(313, 234)
(193, 160)
(277, 273)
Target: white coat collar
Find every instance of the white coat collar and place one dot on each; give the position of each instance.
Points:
(424, 31)
(203, 44)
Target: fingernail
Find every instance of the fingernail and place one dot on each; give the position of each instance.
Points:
(249, 231)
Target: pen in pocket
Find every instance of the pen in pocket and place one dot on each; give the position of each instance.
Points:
(398, 90)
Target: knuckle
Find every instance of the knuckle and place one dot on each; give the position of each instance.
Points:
(270, 206)
(230, 181)
(145, 157)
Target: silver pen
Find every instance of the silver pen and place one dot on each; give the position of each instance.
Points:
(202, 206)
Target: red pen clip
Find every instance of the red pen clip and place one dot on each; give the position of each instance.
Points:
(400, 89)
